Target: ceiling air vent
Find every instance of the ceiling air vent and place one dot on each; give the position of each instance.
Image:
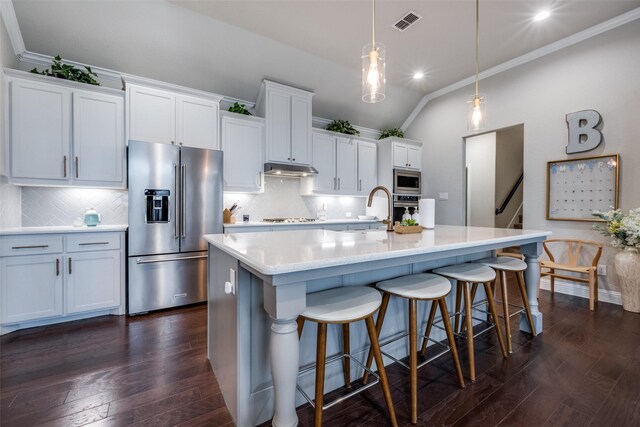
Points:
(406, 21)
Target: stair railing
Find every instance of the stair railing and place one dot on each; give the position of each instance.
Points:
(510, 195)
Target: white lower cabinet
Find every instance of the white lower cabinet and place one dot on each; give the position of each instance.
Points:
(53, 276)
(91, 279)
(31, 288)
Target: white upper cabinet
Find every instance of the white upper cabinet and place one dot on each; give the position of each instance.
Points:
(287, 113)
(64, 133)
(367, 167)
(346, 165)
(98, 139)
(407, 155)
(165, 113)
(242, 143)
(324, 160)
(414, 157)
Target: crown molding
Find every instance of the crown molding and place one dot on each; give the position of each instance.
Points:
(322, 123)
(11, 24)
(578, 37)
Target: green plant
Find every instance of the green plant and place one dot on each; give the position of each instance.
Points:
(343, 126)
(397, 132)
(69, 72)
(624, 228)
(408, 222)
(240, 109)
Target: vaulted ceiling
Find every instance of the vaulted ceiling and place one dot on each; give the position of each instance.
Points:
(228, 47)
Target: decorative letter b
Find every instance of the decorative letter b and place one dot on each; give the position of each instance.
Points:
(583, 135)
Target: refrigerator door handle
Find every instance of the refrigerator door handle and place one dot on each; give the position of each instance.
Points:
(176, 230)
(152, 261)
(183, 212)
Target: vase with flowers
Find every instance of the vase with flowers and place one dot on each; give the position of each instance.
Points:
(625, 230)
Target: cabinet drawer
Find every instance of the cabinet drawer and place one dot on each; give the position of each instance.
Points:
(30, 245)
(93, 242)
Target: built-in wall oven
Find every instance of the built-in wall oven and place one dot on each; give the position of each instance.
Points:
(406, 182)
(402, 203)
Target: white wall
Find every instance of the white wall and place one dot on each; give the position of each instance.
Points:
(9, 194)
(481, 179)
(600, 73)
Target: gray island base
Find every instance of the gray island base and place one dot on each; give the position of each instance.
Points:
(258, 284)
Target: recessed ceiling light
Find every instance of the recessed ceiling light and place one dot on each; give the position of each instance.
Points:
(541, 16)
(418, 75)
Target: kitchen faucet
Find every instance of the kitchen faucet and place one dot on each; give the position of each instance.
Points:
(388, 220)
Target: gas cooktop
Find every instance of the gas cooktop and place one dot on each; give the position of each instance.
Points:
(291, 220)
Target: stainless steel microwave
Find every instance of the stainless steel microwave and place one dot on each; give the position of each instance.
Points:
(406, 182)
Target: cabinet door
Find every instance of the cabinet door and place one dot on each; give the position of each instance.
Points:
(278, 124)
(242, 146)
(399, 155)
(93, 281)
(40, 132)
(414, 157)
(301, 130)
(98, 139)
(367, 167)
(324, 157)
(31, 288)
(197, 123)
(152, 115)
(346, 165)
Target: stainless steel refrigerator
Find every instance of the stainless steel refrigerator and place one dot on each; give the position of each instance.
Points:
(175, 197)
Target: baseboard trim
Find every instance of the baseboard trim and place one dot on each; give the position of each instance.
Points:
(574, 289)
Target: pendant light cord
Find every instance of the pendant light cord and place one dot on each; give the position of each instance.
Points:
(477, 38)
(373, 27)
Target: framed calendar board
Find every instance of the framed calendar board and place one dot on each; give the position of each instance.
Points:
(577, 187)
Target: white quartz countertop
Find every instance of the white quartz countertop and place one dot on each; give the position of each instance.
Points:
(62, 229)
(302, 224)
(281, 252)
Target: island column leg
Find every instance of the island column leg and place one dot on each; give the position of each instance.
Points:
(284, 354)
(284, 303)
(532, 252)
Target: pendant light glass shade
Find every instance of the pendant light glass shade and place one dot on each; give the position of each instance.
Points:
(373, 72)
(476, 112)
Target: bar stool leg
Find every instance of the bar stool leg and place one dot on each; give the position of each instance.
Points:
(346, 349)
(456, 325)
(469, 324)
(321, 357)
(432, 315)
(474, 290)
(381, 313)
(375, 347)
(452, 341)
(525, 301)
(413, 359)
(492, 310)
(505, 309)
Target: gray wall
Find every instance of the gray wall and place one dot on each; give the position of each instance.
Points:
(600, 73)
(9, 194)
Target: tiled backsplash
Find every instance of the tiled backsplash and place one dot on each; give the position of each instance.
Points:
(281, 198)
(42, 206)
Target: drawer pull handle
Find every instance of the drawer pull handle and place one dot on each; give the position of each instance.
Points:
(93, 243)
(30, 247)
(76, 166)
(151, 261)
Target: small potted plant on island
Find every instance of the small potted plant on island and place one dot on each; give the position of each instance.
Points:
(407, 226)
(625, 230)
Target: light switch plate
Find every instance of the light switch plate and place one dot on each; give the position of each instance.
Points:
(602, 269)
(443, 196)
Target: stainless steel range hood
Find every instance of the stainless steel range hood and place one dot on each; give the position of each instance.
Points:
(280, 169)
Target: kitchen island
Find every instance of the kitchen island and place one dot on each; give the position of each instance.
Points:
(258, 284)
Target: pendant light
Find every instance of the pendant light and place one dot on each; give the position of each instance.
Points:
(477, 105)
(373, 67)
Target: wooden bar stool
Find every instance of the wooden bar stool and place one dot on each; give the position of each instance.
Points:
(424, 287)
(501, 265)
(467, 275)
(343, 306)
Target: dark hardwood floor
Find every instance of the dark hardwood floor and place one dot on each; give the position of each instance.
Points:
(152, 370)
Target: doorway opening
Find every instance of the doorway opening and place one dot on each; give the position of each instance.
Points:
(494, 165)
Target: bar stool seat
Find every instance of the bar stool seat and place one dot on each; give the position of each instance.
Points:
(504, 263)
(426, 287)
(514, 265)
(473, 274)
(342, 305)
(418, 286)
